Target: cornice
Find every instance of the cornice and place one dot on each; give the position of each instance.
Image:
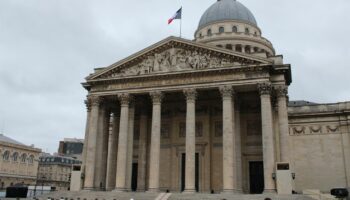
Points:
(22, 147)
(260, 40)
(226, 21)
(189, 73)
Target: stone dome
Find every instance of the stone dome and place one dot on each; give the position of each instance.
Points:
(226, 10)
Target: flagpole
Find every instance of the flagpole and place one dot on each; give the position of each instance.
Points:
(181, 23)
(180, 27)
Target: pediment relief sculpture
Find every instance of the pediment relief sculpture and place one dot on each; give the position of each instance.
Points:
(174, 60)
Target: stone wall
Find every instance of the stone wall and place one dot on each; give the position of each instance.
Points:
(319, 138)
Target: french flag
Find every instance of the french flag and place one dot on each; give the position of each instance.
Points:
(177, 15)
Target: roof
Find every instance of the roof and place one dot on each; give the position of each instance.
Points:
(48, 159)
(226, 10)
(3, 138)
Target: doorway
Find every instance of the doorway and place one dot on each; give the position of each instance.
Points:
(134, 177)
(183, 171)
(256, 177)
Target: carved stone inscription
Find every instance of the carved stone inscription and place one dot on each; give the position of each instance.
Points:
(175, 59)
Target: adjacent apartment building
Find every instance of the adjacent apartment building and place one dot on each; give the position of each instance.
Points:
(18, 163)
(71, 147)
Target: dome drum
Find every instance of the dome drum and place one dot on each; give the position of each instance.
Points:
(229, 28)
(229, 22)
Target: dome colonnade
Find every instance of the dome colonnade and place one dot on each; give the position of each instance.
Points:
(229, 24)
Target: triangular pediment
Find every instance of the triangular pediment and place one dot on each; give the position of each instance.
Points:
(176, 55)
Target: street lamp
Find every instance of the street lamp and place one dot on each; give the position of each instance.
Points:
(37, 177)
(42, 183)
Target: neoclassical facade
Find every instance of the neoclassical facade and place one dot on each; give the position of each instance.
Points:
(18, 163)
(207, 115)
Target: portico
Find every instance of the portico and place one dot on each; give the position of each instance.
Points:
(162, 123)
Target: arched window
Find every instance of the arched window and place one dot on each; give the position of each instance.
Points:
(256, 49)
(229, 46)
(6, 156)
(247, 49)
(219, 45)
(221, 29)
(209, 32)
(238, 48)
(31, 159)
(24, 158)
(15, 157)
(234, 29)
(247, 31)
(200, 34)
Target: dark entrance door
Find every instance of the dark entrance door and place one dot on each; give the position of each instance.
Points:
(134, 177)
(183, 171)
(256, 179)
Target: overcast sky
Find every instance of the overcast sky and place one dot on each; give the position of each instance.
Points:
(48, 47)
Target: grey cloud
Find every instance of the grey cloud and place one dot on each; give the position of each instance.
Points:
(48, 47)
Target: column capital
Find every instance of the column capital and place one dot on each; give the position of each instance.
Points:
(226, 91)
(191, 94)
(157, 97)
(125, 99)
(281, 90)
(88, 104)
(94, 100)
(265, 88)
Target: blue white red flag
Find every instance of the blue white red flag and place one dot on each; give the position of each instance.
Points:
(177, 15)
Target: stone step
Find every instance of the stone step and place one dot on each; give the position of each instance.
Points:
(198, 196)
(94, 195)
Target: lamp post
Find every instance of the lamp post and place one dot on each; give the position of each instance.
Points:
(42, 184)
(37, 177)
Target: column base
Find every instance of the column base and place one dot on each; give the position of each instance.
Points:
(141, 190)
(88, 189)
(231, 191)
(110, 189)
(153, 190)
(189, 191)
(119, 190)
(269, 191)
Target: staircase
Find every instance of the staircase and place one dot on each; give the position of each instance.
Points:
(201, 196)
(92, 195)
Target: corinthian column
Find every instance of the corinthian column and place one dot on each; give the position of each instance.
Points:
(282, 92)
(229, 157)
(141, 174)
(191, 95)
(102, 148)
(91, 145)
(112, 153)
(88, 108)
(122, 142)
(267, 137)
(130, 146)
(153, 185)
